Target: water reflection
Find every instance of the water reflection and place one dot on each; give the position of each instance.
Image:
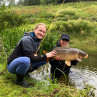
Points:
(42, 73)
(85, 72)
(81, 77)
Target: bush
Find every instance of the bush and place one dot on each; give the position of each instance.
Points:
(9, 19)
(40, 17)
(93, 18)
(72, 26)
(67, 14)
(46, 15)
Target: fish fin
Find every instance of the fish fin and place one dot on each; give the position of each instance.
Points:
(86, 56)
(44, 51)
(67, 46)
(68, 63)
(78, 59)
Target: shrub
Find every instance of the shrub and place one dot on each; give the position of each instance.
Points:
(46, 15)
(40, 17)
(67, 14)
(72, 26)
(93, 18)
(9, 19)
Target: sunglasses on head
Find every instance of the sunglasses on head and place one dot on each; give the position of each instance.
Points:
(65, 40)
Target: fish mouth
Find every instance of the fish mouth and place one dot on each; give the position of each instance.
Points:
(86, 56)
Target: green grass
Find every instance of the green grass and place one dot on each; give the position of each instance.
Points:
(38, 89)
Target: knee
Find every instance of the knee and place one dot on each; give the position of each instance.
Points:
(26, 61)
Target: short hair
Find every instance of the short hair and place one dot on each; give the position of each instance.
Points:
(40, 24)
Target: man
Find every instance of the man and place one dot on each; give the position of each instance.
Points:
(24, 58)
(58, 66)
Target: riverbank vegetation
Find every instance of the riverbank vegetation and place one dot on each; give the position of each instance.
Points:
(79, 20)
(76, 19)
(39, 88)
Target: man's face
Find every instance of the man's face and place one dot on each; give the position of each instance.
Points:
(63, 42)
(40, 31)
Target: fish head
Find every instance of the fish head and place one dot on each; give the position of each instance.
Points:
(82, 54)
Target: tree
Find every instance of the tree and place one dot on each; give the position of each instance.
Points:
(31, 2)
(59, 1)
(11, 2)
(3, 2)
(21, 2)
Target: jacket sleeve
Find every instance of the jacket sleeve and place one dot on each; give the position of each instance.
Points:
(27, 48)
(52, 61)
(33, 58)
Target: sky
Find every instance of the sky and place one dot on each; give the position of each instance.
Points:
(7, 3)
(16, 1)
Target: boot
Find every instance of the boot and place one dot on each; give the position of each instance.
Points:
(20, 81)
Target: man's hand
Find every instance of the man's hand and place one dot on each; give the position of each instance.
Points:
(35, 54)
(57, 58)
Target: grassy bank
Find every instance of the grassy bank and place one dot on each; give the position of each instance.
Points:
(39, 88)
(79, 20)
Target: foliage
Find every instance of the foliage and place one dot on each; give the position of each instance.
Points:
(9, 19)
(75, 20)
(45, 2)
(11, 36)
(31, 2)
(42, 17)
(11, 2)
(72, 26)
(67, 14)
(38, 2)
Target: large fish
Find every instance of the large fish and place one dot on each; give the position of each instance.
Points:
(69, 54)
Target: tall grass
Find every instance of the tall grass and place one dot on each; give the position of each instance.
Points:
(11, 36)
